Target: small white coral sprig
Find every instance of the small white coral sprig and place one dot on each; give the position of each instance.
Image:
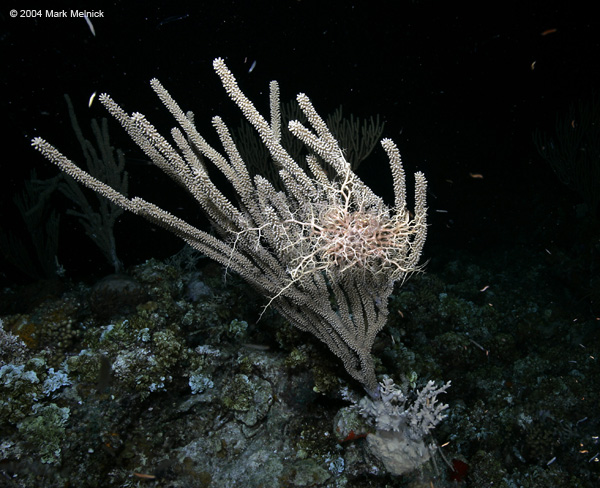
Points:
(395, 411)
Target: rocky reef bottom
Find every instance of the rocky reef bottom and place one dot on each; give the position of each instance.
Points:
(166, 377)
